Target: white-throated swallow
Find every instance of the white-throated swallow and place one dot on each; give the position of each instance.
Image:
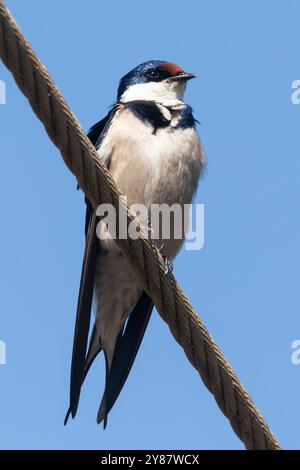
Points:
(150, 144)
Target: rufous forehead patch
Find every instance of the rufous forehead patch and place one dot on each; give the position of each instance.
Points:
(173, 69)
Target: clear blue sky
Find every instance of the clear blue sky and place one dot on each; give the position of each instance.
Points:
(245, 281)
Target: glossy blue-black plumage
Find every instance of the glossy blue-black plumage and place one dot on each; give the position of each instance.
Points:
(149, 113)
(140, 74)
(186, 118)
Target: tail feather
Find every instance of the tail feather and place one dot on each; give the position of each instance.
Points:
(124, 355)
(93, 351)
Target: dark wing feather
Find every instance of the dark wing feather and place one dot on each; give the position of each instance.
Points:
(83, 316)
(98, 130)
(128, 342)
(85, 299)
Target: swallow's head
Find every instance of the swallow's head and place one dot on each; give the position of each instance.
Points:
(154, 80)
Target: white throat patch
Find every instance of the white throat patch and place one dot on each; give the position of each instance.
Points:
(167, 93)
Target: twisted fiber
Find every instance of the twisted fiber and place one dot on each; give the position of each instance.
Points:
(96, 181)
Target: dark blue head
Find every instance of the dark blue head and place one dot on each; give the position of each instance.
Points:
(152, 71)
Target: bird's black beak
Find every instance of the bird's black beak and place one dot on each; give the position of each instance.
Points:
(183, 76)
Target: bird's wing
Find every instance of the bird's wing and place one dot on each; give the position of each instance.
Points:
(83, 315)
(85, 298)
(129, 340)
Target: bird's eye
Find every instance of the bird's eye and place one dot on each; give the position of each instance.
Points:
(153, 74)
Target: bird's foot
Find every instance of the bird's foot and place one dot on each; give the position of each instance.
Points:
(168, 266)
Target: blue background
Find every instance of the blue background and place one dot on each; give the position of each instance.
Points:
(244, 283)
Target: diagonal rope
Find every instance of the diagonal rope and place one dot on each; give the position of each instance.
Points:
(99, 186)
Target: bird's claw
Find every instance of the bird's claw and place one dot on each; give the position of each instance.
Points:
(168, 266)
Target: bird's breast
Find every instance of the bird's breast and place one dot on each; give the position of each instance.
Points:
(152, 167)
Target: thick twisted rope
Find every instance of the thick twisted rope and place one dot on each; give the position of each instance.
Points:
(99, 186)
